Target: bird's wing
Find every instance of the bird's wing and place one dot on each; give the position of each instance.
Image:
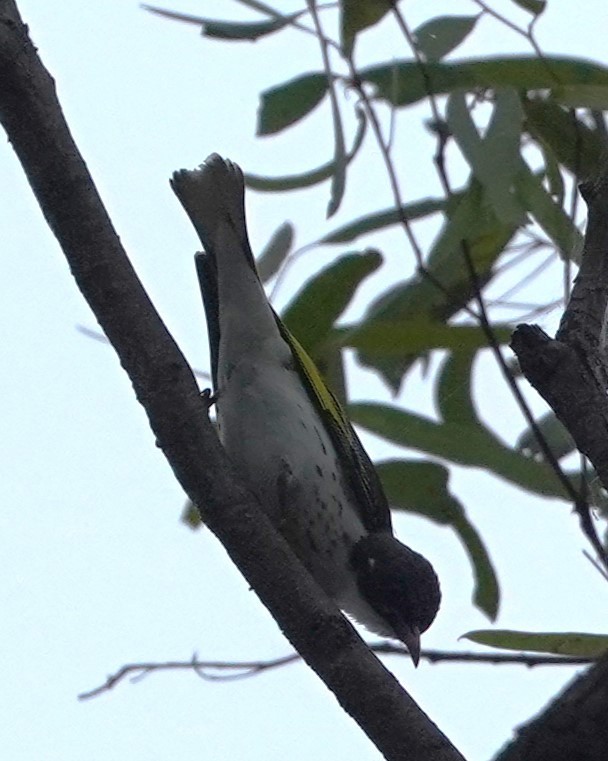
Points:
(371, 500)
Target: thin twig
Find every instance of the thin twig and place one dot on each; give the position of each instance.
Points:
(246, 669)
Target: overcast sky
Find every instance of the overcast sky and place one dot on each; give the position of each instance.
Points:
(98, 570)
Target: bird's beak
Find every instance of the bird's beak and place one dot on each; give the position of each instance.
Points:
(410, 636)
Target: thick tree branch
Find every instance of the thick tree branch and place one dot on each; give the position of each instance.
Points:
(570, 371)
(573, 727)
(165, 386)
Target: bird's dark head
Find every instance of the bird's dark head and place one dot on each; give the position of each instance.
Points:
(399, 584)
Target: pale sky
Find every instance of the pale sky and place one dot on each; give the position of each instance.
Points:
(98, 570)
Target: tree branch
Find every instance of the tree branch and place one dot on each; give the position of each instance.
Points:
(573, 727)
(570, 371)
(234, 670)
(165, 386)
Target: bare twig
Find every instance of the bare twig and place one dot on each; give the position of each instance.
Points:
(247, 669)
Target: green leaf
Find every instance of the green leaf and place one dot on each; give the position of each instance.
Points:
(403, 83)
(357, 15)
(381, 338)
(439, 36)
(306, 179)
(314, 310)
(583, 96)
(445, 287)
(574, 144)
(549, 215)
(493, 160)
(555, 434)
(229, 30)
(535, 7)
(286, 104)
(422, 488)
(191, 517)
(290, 182)
(454, 389)
(553, 175)
(275, 251)
(562, 643)
(462, 444)
(381, 219)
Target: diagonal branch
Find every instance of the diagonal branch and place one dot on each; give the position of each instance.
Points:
(165, 386)
(570, 371)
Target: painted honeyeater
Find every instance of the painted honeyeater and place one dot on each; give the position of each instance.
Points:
(288, 435)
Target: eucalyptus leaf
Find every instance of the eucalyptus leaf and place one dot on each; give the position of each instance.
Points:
(554, 433)
(445, 287)
(577, 644)
(583, 96)
(403, 83)
(535, 7)
(454, 389)
(574, 144)
(495, 158)
(229, 30)
(275, 251)
(382, 338)
(305, 179)
(357, 15)
(286, 104)
(381, 219)
(471, 445)
(549, 215)
(439, 36)
(310, 316)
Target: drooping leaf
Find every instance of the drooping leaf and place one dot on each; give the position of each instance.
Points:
(403, 83)
(229, 30)
(454, 389)
(439, 36)
(445, 288)
(338, 178)
(553, 175)
(422, 487)
(381, 219)
(495, 158)
(312, 313)
(575, 145)
(555, 434)
(584, 96)
(549, 215)
(578, 644)
(380, 338)
(357, 15)
(305, 179)
(462, 444)
(275, 251)
(289, 102)
(535, 7)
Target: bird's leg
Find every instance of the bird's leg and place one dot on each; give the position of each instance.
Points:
(209, 398)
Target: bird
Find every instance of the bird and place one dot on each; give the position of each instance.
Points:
(288, 435)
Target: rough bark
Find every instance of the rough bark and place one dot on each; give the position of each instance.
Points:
(165, 386)
(573, 727)
(570, 371)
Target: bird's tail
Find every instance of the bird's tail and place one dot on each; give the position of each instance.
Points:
(236, 307)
